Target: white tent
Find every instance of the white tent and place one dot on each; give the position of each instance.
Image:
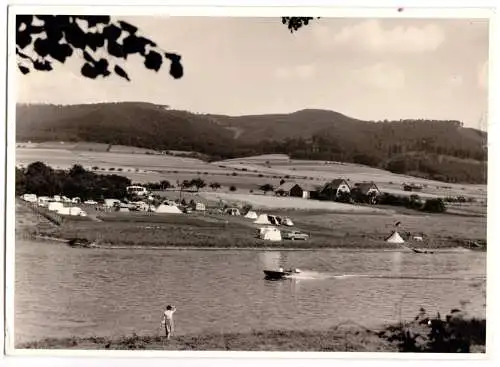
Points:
(31, 198)
(262, 219)
(251, 215)
(54, 206)
(395, 238)
(170, 209)
(43, 201)
(74, 210)
(270, 234)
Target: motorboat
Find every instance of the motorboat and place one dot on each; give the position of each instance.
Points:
(280, 274)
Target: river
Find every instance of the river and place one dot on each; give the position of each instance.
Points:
(62, 291)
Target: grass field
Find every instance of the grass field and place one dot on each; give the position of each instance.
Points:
(274, 202)
(202, 230)
(346, 337)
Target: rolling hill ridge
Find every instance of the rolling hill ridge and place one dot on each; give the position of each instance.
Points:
(441, 150)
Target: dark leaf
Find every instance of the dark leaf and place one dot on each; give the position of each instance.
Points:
(42, 65)
(115, 49)
(133, 44)
(93, 20)
(90, 41)
(101, 67)
(88, 57)
(23, 69)
(121, 72)
(147, 41)
(89, 71)
(176, 69)
(111, 32)
(75, 36)
(42, 47)
(173, 57)
(23, 39)
(153, 60)
(60, 51)
(128, 27)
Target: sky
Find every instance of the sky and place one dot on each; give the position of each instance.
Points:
(370, 69)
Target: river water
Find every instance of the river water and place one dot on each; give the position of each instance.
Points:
(62, 291)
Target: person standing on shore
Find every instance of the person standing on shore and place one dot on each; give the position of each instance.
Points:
(168, 320)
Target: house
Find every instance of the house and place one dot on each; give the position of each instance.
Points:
(366, 192)
(293, 189)
(337, 189)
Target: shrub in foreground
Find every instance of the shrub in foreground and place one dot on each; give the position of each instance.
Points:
(453, 334)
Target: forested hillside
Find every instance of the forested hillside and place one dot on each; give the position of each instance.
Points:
(442, 150)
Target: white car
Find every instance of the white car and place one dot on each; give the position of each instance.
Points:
(295, 235)
(90, 202)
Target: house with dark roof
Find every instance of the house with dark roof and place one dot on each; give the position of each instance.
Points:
(366, 192)
(338, 189)
(305, 191)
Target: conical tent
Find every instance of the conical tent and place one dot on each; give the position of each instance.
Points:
(262, 219)
(395, 238)
(251, 215)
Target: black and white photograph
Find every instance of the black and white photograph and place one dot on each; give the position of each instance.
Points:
(247, 182)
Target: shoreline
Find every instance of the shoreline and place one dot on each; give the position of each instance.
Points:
(387, 248)
(347, 337)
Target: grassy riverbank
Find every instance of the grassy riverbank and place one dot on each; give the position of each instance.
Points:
(455, 335)
(326, 230)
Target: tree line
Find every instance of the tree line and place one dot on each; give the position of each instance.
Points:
(42, 180)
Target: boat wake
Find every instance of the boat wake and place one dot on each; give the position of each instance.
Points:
(314, 275)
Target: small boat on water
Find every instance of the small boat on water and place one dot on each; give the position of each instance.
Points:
(280, 274)
(82, 243)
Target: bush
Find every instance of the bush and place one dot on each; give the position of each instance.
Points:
(232, 188)
(434, 206)
(454, 334)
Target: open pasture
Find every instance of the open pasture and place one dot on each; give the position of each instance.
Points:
(273, 202)
(433, 226)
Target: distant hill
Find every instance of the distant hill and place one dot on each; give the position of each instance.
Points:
(442, 150)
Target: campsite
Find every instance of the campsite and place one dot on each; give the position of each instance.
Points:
(191, 217)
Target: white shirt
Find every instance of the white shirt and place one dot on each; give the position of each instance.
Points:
(169, 314)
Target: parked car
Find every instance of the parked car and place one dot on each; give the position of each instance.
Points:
(90, 202)
(295, 235)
